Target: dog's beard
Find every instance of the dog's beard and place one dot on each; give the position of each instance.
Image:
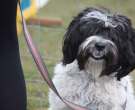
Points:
(94, 67)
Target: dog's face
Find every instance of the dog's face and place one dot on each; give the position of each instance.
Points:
(95, 50)
(98, 37)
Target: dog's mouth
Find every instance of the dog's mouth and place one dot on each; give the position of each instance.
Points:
(98, 55)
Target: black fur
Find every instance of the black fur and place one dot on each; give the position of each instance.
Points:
(123, 35)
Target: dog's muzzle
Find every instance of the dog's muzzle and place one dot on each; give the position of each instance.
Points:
(98, 48)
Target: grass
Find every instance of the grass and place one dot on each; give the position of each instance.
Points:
(49, 41)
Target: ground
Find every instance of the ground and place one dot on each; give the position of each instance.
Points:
(49, 42)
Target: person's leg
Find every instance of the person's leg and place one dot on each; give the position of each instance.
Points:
(12, 84)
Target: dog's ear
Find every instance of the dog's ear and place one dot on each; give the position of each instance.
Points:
(127, 58)
(71, 42)
(73, 38)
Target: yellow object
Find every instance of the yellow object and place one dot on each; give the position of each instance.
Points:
(28, 12)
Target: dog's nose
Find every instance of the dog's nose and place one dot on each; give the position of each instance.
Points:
(100, 46)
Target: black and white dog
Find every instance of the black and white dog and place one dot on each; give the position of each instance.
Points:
(98, 55)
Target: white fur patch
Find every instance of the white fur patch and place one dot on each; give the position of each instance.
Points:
(94, 67)
(100, 16)
(97, 39)
(96, 14)
(105, 93)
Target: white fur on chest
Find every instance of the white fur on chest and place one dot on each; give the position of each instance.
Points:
(78, 87)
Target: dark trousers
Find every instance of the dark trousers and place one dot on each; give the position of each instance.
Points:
(12, 84)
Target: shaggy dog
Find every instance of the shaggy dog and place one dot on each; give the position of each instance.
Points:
(98, 55)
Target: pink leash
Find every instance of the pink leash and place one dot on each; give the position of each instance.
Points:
(41, 65)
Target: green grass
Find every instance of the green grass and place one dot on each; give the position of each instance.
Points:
(49, 42)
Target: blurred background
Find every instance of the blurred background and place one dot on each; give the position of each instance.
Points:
(47, 22)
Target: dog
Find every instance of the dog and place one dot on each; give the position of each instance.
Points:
(98, 55)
